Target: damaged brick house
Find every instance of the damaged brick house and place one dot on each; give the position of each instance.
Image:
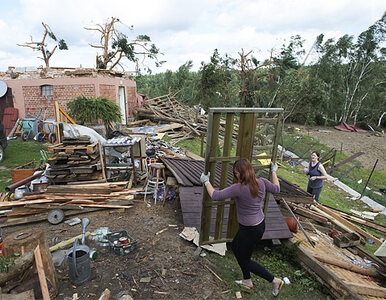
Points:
(32, 89)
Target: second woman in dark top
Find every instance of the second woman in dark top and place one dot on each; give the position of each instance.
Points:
(249, 195)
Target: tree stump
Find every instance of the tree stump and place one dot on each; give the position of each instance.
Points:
(22, 242)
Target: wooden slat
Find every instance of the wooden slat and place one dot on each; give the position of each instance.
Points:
(224, 173)
(211, 151)
(367, 290)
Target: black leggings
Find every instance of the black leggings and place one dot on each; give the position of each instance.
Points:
(243, 245)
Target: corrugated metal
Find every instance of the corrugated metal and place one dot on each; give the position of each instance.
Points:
(122, 141)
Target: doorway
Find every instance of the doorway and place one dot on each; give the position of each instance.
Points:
(122, 103)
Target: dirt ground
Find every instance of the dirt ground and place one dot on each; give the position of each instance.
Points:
(351, 143)
(165, 257)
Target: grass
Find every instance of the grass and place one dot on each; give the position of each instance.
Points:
(18, 153)
(303, 145)
(279, 261)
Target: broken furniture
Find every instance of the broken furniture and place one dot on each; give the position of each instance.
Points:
(154, 182)
(118, 156)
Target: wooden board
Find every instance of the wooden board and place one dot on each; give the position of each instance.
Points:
(332, 273)
(41, 273)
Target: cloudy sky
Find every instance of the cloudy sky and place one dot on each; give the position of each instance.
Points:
(183, 30)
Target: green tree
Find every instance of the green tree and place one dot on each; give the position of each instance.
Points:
(214, 80)
(351, 71)
(89, 110)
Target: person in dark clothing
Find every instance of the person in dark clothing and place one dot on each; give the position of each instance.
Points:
(248, 194)
(317, 174)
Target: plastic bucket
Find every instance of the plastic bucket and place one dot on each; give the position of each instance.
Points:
(79, 270)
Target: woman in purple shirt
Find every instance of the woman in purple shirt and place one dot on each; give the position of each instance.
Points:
(249, 195)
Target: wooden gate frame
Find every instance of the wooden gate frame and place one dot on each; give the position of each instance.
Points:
(244, 149)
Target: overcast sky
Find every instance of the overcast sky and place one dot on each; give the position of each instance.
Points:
(183, 30)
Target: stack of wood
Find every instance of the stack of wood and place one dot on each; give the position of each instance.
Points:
(73, 199)
(75, 159)
(168, 109)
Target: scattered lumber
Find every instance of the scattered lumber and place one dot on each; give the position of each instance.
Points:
(335, 285)
(356, 219)
(343, 264)
(167, 109)
(308, 214)
(349, 224)
(339, 224)
(368, 290)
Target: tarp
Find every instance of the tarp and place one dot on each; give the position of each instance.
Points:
(348, 128)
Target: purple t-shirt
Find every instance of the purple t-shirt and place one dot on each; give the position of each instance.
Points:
(249, 208)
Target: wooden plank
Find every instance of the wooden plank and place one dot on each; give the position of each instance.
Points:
(224, 173)
(349, 224)
(343, 264)
(303, 200)
(367, 290)
(273, 158)
(345, 161)
(359, 220)
(308, 213)
(43, 217)
(101, 160)
(41, 274)
(103, 205)
(211, 151)
(79, 190)
(332, 282)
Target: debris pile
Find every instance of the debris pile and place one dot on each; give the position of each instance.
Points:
(72, 199)
(75, 159)
(185, 122)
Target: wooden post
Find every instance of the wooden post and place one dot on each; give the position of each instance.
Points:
(211, 151)
(101, 160)
(224, 172)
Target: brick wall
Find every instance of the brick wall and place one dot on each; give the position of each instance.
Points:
(108, 91)
(131, 96)
(34, 101)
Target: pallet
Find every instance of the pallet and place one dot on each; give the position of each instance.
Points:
(69, 149)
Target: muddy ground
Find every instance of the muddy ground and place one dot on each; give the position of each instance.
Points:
(373, 145)
(165, 258)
